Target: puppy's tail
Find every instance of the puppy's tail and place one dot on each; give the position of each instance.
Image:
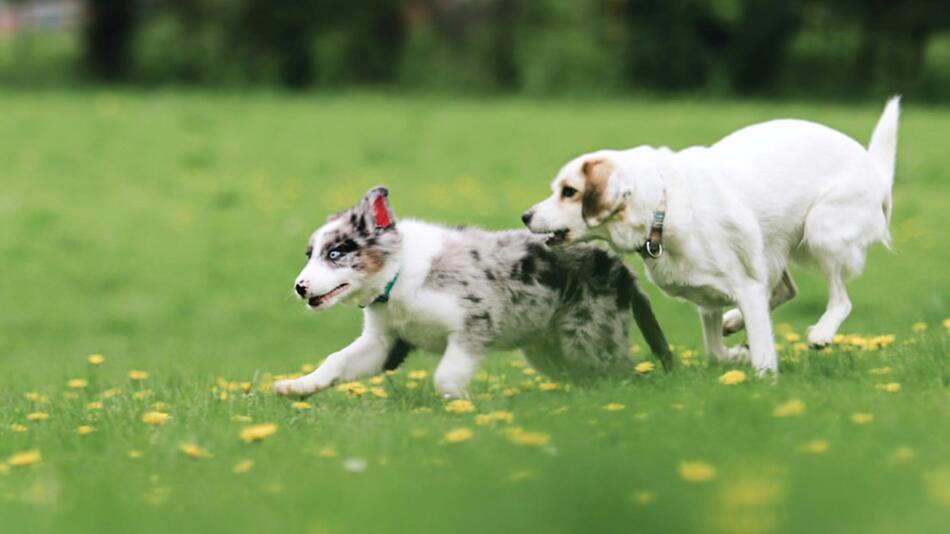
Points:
(883, 150)
(650, 327)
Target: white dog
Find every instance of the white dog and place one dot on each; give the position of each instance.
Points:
(718, 225)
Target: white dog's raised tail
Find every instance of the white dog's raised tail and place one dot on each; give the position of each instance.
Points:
(883, 150)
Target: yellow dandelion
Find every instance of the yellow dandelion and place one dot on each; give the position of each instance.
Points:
(246, 387)
(194, 451)
(96, 359)
(890, 387)
(82, 430)
(4, 469)
(37, 397)
(643, 498)
(412, 385)
(644, 367)
(159, 406)
(510, 392)
(138, 375)
(94, 405)
(111, 392)
(418, 375)
(817, 446)
(77, 383)
(494, 417)
(529, 371)
(37, 416)
(614, 407)
(258, 432)
(519, 436)
(880, 371)
(484, 397)
(241, 419)
(695, 471)
(155, 418)
(17, 427)
(946, 324)
(355, 389)
(548, 386)
(862, 418)
(635, 349)
(458, 435)
(731, 378)
(243, 466)
(140, 395)
(792, 337)
(792, 408)
(299, 406)
(919, 326)
(460, 406)
(135, 454)
(327, 452)
(377, 380)
(21, 459)
(379, 392)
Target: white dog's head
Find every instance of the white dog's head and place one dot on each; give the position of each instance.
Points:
(585, 195)
(347, 258)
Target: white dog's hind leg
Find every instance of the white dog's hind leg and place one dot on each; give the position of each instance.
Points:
(754, 303)
(456, 369)
(363, 357)
(839, 306)
(712, 332)
(783, 292)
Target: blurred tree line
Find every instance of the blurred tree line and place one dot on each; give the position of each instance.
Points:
(764, 47)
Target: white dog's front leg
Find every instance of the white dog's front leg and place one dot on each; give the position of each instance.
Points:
(456, 369)
(712, 332)
(753, 301)
(363, 357)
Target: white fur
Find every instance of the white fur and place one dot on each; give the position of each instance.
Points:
(738, 212)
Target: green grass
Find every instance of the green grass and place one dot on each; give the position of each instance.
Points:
(164, 231)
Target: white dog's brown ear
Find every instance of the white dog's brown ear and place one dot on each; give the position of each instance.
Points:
(596, 203)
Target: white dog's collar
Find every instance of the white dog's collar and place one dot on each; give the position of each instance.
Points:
(653, 244)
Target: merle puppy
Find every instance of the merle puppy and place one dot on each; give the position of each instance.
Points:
(462, 292)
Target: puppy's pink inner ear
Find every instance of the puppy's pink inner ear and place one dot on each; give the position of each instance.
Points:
(381, 213)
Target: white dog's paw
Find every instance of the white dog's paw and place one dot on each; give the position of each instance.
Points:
(732, 322)
(738, 354)
(819, 337)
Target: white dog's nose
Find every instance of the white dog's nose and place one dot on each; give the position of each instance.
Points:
(301, 289)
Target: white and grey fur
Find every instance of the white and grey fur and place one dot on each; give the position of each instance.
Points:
(463, 292)
(737, 213)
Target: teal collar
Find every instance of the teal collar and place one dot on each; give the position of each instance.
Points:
(384, 298)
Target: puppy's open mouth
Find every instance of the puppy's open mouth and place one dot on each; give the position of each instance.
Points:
(318, 301)
(558, 237)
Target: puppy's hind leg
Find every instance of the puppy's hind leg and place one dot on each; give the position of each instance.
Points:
(456, 369)
(783, 292)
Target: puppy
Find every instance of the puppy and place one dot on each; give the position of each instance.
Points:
(718, 225)
(463, 292)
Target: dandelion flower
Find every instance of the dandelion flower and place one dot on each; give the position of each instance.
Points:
(519, 436)
(919, 327)
(697, 471)
(862, 418)
(159, 406)
(529, 371)
(140, 395)
(94, 405)
(880, 371)
(946, 324)
(418, 375)
(458, 435)
(135, 454)
(155, 418)
(17, 427)
(240, 419)
(644, 367)
(21, 459)
(377, 380)
(355, 389)
(82, 430)
(327, 452)
(817, 446)
(614, 407)
(193, 451)
(258, 432)
(460, 406)
(379, 392)
(37, 397)
(96, 359)
(77, 383)
(412, 385)
(792, 408)
(643, 498)
(731, 378)
(548, 386)
(494, 417)
(138, 375)
(37, 416)
(635, 349)
(792, 337)
(891, 387)
(4, 469)
(299, 406)
(243, 466)
(510, 392)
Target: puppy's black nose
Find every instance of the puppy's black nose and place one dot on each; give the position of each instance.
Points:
(300, 289)
(526, 217)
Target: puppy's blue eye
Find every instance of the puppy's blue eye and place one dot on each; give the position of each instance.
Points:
(334, 254)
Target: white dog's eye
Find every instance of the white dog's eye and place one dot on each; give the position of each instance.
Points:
(568, 191)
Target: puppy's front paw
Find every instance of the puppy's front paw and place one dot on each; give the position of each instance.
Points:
(283, 387)
(294, 388)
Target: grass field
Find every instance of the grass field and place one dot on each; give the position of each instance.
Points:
(164, 230)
